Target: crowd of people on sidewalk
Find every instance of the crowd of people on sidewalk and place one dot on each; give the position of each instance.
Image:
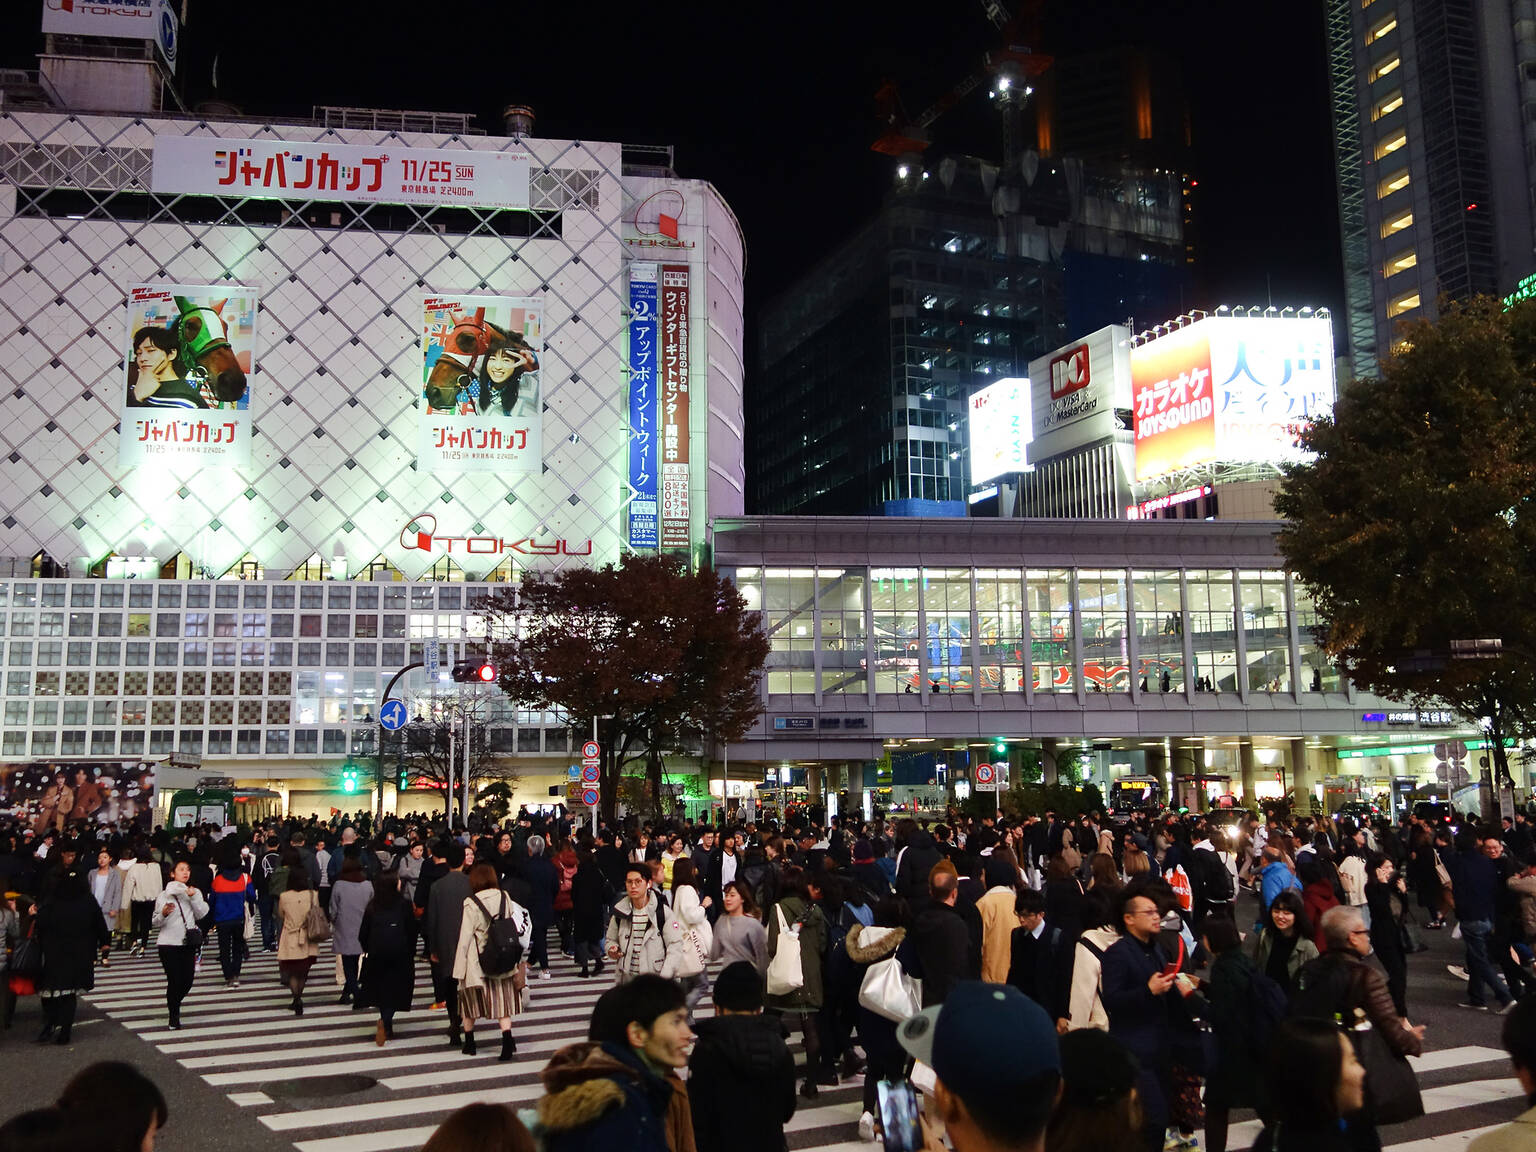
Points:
(891, 950)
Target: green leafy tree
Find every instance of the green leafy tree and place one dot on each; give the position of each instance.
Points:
(662, 658)
(1414, 524)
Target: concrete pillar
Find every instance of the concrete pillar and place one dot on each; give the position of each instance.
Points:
(814, 787)
(1301, 776)
(1048, 747)
(1245, 766)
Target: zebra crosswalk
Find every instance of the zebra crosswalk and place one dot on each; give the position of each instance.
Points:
(281, 1070)
(285, 1072)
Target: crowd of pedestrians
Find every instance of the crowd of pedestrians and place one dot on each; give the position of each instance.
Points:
(983, 958)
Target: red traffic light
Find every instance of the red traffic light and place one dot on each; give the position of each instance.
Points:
(473, 671)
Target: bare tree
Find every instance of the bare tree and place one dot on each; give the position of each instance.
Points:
(433, 749)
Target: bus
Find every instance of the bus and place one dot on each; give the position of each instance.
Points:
(1131, 794)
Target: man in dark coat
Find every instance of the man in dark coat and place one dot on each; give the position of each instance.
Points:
(914, 863)
(445, 915)
(1137, 997)
(945, 953)
(71, 930)
(543, 883)
(610, 859)
(740, 1066)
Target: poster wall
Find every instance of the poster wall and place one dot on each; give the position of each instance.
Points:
(674, 406)
(481, 404)
(45, 796)
(643, 409)
(190, 355)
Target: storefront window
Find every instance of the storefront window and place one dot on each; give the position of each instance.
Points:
(1103, 609)
(1266, 630)
(1159, 630)
(1318, 673)
(1212, 629)
(947, 603)
(1048, 592)
(1000, 628)
(844, 659)
(893, 594)
(790, 598)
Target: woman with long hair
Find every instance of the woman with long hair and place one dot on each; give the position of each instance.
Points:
(1284, 942)
(802, 1005)
(589, 912)
(388, 937)
(1235, 1078)
(72, 932)
(106, 881)
(686, 964)
(296, 951)
(739, 933)
(484, 995)
(481, 1128)
(1382, 887)
(1316, 1079)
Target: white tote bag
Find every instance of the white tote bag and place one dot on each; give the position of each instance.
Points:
(784, 972)
(888, 991)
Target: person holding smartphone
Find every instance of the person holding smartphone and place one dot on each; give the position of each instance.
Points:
(177, 910)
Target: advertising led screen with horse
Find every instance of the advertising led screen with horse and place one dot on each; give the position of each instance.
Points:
(481, 407)
(190, 356)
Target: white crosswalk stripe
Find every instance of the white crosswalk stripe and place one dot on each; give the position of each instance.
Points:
(246, 1043)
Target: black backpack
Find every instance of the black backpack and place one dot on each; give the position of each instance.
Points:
(503, 949)
(1219, 888)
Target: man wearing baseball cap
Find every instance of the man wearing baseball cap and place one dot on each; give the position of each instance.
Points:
(994, 1055)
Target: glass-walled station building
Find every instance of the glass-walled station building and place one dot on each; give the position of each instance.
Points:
(1181, 649)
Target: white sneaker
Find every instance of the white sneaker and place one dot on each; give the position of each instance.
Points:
(867, 1127)
(545, 974)
(1457, 971)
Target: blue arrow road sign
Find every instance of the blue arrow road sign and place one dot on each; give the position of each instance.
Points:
(393, 715)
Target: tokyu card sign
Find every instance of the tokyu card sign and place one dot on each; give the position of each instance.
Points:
(124, 19)
(1229, 388)
(308, 170)
(1076, 389)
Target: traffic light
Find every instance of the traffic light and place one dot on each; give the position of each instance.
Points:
(348, 778)
(473, 672)
(1000, 746)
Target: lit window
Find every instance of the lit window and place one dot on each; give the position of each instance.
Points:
(1391, 144)
(1381, 28)
(1391, 102)
(1397, 223)
(1401, 262)
(1385, 66)
(1391, 182)
(1404, 303)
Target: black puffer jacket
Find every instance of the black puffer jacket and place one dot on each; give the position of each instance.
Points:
(741, 1068)
(912, 870)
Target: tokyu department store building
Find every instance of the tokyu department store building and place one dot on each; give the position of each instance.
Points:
(285, 402)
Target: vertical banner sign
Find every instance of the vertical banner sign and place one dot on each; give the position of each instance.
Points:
(674, 406)
(643, 441)
(481, 408)
(190, 355)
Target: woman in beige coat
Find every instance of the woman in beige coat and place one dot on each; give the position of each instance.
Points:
(489, 997)
(296, 952)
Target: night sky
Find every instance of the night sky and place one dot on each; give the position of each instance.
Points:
(776, 109)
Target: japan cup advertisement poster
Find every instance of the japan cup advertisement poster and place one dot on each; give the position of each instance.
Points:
(190, 358)
(481, 404)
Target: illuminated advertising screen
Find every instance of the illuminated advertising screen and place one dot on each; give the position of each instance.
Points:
(190, 356)
(675, 351)
(999, 429)
(643, 388)
(275, 169)
(1076, 389)
(481, 407)
(43, 796)
(1229, 388)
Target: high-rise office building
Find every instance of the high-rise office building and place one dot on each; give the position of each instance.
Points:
(1435, 154)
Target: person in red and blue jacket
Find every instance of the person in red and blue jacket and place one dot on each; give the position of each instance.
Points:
(230, 895)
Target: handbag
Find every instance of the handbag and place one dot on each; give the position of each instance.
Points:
(27, 960)
(1392, 1093)
(194, 937)
(250, 925)
(888, 991)
(317, 925)
(785, 974)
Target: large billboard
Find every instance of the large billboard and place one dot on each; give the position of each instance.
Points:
(275, 169)
(999, 429)
(124, 19)
(481, 408)
(190, 355)
(1076, 389)
(643, 390)
(1234, 389)
(675, 351)
(57, 796)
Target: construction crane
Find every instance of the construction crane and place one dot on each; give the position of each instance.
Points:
(1011, 68)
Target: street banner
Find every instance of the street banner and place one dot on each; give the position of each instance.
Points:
(674, 406)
